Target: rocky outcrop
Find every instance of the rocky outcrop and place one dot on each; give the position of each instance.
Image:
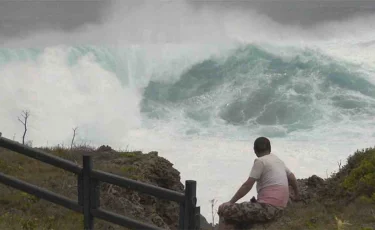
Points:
(151, 169)
(345, 200)
(104, 148)
(310, 190)
(325, 204)
(148, 168)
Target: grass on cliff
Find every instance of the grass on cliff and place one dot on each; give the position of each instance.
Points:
(21, 211)
(346, 202)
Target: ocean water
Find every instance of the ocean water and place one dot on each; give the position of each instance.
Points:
(201, 105)
(202, 112)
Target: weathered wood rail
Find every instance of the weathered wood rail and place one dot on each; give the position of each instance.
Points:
(88, 181)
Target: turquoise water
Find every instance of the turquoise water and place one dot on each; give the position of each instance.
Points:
(243, 87)
(199, 106)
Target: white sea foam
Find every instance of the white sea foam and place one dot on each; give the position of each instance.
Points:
(103, 97)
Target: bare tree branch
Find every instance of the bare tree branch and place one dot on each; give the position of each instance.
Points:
(213, 203)
(25, 115)
(74, 135)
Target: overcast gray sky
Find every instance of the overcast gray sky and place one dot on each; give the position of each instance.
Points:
(300, 12)
(20, 18)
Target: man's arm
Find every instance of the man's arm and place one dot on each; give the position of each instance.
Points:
(243, 190)
(293, 182)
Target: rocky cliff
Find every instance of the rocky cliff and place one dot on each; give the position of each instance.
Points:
(22, 211)
(346, 200)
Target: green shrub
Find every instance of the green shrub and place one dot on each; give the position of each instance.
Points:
(128, 169)
(361, 177)
(129, 154)
(29, 224)
(132, 172)
(4, 167)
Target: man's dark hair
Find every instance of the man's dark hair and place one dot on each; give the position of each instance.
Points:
(262, 144)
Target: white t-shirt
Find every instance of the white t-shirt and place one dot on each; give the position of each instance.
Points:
(271, 173)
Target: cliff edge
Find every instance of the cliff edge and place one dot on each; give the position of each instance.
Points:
(19, 210)
(345, 200)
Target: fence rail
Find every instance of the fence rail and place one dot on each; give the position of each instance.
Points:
(40, 192)
(40, 155)
(88, 181)
(139, 186)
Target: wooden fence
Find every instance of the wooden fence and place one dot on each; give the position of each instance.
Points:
(88, 181)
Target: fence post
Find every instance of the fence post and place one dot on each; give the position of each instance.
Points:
(182, 216)
(88, 219)
(190, 202)
(95, 193)
(197, 218)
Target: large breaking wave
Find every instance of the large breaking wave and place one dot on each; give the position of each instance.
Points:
(270, 90)
(153, 76)
(253, 87)
(201, 104)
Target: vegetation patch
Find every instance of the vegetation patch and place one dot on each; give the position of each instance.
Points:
(361, 176)
(22, 211)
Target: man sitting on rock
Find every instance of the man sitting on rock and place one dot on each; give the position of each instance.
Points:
(273, 179)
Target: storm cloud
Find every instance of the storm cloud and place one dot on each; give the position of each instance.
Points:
(176, 20)
(20, 18)
(306, 13)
